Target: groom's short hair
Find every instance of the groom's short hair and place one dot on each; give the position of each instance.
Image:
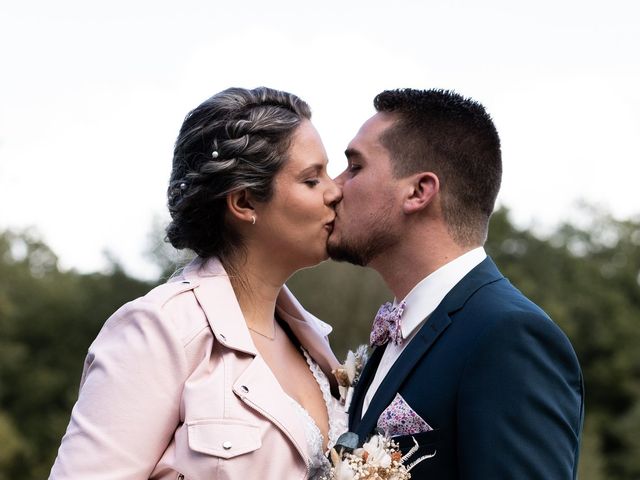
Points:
(454, 137)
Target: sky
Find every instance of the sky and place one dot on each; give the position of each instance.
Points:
(92, 95)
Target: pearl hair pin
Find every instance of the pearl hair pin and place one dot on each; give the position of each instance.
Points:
(214, 154)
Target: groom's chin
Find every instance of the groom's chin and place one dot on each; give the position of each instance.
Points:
(344, 253)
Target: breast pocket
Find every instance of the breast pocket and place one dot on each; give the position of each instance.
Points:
(224, 438)
(209, 448)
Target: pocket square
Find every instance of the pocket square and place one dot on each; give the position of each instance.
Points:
(400, 419)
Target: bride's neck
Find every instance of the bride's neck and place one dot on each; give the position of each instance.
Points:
(256, 284)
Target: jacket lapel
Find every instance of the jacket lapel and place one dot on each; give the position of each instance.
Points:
(310, 332)
(259, 389)
(486, 272)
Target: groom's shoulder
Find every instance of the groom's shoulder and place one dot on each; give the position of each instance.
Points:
(485, 290)
(500, 306)
(503, 296)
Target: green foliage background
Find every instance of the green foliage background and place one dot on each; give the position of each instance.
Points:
(586, 277)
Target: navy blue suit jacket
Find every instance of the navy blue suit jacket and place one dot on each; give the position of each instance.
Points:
(497, 380)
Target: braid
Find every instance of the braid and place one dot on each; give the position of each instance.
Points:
(235, 140)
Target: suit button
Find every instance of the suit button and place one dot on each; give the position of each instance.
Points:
(244, 389)
(227, 445)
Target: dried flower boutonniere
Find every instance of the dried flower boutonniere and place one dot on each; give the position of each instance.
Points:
(348, 374)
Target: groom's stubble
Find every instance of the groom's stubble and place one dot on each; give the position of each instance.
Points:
(360, 242)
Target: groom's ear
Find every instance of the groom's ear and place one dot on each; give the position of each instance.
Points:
(422, 189)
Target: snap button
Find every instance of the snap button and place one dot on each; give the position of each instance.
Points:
(227, 445)
(244, 389)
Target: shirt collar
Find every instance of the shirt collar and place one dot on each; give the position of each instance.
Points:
(423, 299)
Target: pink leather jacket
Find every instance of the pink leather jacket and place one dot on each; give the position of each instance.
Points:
(174, 388)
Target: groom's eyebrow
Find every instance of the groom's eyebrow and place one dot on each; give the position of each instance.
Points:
(351, 152)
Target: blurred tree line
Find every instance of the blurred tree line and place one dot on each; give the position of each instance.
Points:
(586, 277)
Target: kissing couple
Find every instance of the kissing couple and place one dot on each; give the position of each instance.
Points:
(220, 373)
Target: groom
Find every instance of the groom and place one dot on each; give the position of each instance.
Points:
(464, 363)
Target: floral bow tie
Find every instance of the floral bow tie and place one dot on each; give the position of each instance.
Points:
(386, 325)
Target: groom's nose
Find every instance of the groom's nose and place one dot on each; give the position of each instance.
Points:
(333, 194)
(339, 180)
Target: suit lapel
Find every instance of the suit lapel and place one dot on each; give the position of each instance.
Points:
(366, 377)
(486, 272)
(400, 370)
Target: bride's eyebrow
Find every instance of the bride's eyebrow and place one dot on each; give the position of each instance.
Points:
(315, 168)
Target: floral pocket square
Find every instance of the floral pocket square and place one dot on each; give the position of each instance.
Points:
(400, 419)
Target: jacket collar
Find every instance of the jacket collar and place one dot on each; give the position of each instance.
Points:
(215, 295)
(486, 272)
(217, 299)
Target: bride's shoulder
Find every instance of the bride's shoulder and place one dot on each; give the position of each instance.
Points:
(170, 308)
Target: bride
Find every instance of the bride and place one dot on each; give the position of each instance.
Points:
(220, 373)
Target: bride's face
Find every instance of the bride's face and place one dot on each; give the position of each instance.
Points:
(295, 223)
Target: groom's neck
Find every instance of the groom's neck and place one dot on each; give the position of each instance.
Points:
(415, 257)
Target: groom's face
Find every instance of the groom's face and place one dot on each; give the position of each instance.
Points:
(367, 218)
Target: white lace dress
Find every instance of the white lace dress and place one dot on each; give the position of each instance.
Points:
(318, 463)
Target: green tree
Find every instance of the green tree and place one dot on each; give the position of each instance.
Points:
(48, 318)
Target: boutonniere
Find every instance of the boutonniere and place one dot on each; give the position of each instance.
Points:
(378, 458)
(349, 372)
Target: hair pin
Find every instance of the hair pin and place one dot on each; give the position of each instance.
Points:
(214, 154)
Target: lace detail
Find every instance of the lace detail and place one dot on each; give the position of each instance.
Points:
(338, 419)
(318, 463)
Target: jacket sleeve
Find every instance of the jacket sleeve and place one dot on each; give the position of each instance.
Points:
(129, 401)
(520, 404)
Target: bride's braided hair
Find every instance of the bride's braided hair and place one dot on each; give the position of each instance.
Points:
(236, 139)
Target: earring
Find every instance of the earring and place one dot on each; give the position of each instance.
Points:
(253, 220)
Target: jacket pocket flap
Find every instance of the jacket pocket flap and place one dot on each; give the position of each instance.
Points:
(224, 438)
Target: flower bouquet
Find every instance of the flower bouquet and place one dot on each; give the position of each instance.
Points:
(378, 458)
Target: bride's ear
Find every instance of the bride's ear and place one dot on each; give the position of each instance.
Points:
(241, 206)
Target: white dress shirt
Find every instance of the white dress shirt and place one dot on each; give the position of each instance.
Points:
(420, 303)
